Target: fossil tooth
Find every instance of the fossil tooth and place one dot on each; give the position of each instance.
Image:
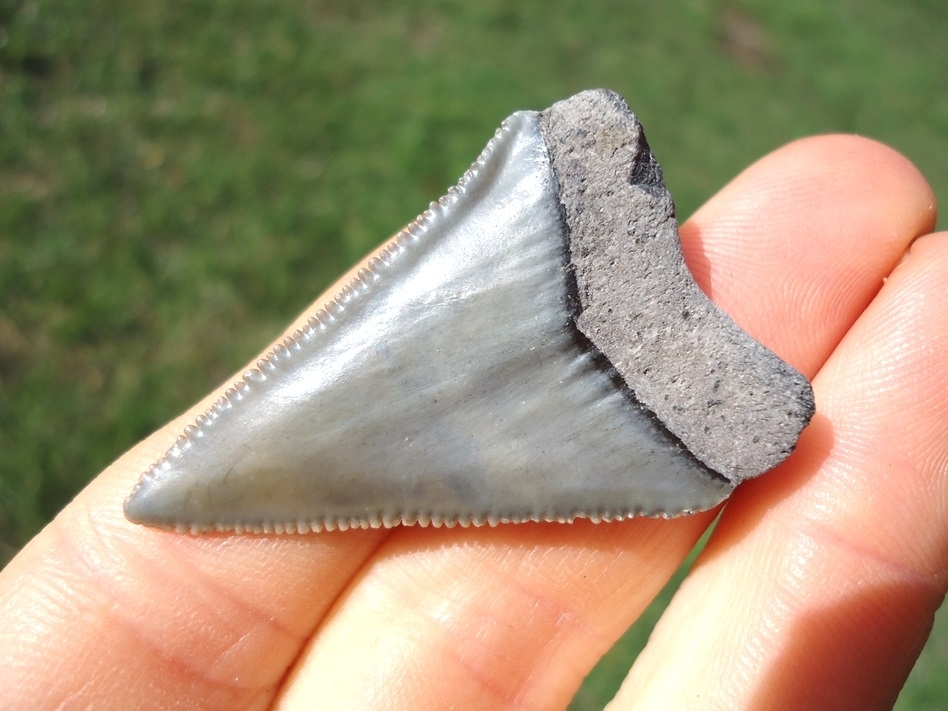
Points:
(532, 347)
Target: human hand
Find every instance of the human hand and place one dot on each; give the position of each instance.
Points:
(816, 590)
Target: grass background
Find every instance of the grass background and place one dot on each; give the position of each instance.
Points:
(178, 180)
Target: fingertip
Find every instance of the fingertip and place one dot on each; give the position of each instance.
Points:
(931, 249)
(845, 163)
(871, 166)
(798, 244)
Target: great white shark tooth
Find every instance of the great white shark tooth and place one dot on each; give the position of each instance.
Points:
(532, 347)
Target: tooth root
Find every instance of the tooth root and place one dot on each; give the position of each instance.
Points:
(737, 406)
(451, 385)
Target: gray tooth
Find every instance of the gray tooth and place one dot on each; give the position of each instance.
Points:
(465, 376)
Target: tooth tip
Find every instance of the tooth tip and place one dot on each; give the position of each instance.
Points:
(138, 508)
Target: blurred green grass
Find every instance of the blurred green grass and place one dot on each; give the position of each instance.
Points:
(178, 180)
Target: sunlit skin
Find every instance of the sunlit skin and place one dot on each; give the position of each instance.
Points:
(816, 590)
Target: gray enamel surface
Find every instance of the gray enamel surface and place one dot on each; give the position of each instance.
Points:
(448, 384)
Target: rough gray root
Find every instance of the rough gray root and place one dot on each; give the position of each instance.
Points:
(737, 406)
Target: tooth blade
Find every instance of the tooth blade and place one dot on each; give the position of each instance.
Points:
(451, 385)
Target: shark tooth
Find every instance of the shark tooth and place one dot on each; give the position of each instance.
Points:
(532, 347)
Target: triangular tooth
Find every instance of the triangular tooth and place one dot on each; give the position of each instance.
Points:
(449, 383)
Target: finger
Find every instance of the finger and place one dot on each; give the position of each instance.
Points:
(832, 199)
(519, 614)
(96, 612)
(820, 585)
